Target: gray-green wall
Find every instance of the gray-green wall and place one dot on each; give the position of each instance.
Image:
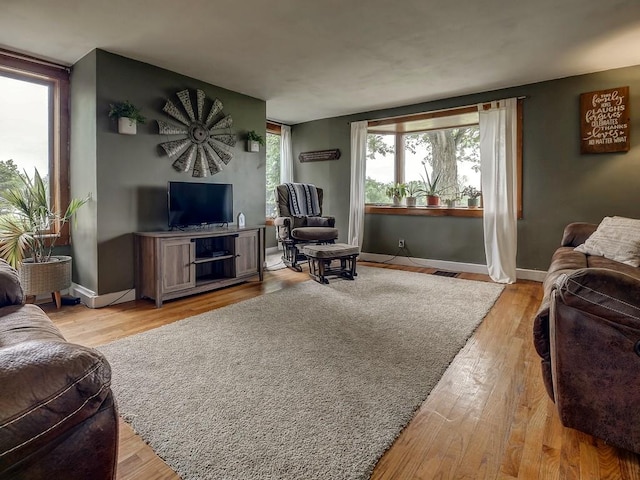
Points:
(559, 184)
(128, 174)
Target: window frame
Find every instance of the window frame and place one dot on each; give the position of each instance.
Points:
(442, 211)
(274, 129)
(57, 78)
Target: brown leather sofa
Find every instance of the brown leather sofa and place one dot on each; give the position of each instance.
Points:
(58, 419)
(587, 332)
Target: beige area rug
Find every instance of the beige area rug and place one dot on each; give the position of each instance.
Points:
(311, 382)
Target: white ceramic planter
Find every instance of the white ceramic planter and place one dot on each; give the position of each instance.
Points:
(127, 126)
(253, 146)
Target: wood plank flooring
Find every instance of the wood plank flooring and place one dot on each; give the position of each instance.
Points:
(488, 417)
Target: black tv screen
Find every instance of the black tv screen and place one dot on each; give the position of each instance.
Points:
(193, 203)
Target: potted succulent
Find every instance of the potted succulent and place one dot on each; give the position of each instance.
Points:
(473, 196)
(128, 116)
(254, 140)
(413, 189)
(397, 192)
(26, 241)
(431, 188)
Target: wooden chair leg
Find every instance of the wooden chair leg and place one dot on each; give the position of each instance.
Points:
(57, 298)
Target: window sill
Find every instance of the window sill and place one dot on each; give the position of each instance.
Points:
(424, 211)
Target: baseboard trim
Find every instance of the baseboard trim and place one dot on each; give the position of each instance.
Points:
(521, 273)
(92, 300)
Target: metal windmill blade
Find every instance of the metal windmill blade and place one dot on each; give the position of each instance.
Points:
(174, 147)
(185, 99)
(213, 160)
(200, 96)
(199, 168)
(183, 162)
(226, 122)
(223, 154)
(166, 128)
(173, 111)
(226, 138)
(216, 108)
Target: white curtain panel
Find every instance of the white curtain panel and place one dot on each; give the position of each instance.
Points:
(498, 144)
(286, 155)
(358, 165)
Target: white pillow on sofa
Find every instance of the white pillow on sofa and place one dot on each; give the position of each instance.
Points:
(617, 238)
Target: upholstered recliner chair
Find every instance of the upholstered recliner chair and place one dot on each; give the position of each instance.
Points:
(300, 221)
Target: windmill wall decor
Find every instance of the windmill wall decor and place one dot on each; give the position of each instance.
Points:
(206, 147)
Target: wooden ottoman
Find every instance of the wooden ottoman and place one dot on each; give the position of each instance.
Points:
(320, 258)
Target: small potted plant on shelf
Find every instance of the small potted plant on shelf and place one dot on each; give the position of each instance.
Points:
(473, 196)
(27, 239)
(128, 116)
(254, 140)
(396, 192)
(413, 189)
(431, 188)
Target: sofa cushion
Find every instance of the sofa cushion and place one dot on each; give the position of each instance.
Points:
(10, 289)
(23, 323)
(617, 238)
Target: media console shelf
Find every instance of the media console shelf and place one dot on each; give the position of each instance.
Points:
(180, 263)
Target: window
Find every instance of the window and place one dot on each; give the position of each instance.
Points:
(436, 152)
(34, 121)
(273, 167)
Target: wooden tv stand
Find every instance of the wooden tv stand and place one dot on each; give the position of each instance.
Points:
(175, 264)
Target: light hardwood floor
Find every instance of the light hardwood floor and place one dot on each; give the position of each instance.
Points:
(488, 417)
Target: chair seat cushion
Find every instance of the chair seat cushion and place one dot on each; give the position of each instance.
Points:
(335, 250)
(315, 234)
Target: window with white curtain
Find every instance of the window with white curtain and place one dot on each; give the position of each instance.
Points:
(415, 150)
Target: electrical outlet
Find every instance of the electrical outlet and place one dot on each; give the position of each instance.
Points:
(401, 243)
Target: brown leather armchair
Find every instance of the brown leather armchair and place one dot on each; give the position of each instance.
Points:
(58, 419)
(293, 231)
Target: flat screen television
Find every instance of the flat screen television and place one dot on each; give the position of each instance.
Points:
(202, 204)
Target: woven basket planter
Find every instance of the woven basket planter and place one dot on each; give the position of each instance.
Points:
(52, 276)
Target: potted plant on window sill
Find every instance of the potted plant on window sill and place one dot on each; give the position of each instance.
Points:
(254, 140)
(413, 189)
(27, 241)
(431, 188)
(473, 196)
(397, 192)
(128, 116)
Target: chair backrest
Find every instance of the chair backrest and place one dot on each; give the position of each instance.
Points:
(282, 200)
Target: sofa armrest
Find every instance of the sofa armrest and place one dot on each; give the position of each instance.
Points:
(595, 357)
(577, 233)
(48, 388)
(603, 292)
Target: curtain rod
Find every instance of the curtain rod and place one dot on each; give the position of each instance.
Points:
(522, 97)
(32, 59)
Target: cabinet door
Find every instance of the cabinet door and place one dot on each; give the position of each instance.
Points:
(247, 257)
(178, 269)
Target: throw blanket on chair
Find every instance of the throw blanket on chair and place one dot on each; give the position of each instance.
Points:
(303, 199)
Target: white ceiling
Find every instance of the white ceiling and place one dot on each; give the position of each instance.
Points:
(313, 59)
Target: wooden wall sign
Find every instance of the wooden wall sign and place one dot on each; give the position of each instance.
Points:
(604, 121)
(320, 155)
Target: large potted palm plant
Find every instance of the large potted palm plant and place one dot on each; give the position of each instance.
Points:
(27, 239)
